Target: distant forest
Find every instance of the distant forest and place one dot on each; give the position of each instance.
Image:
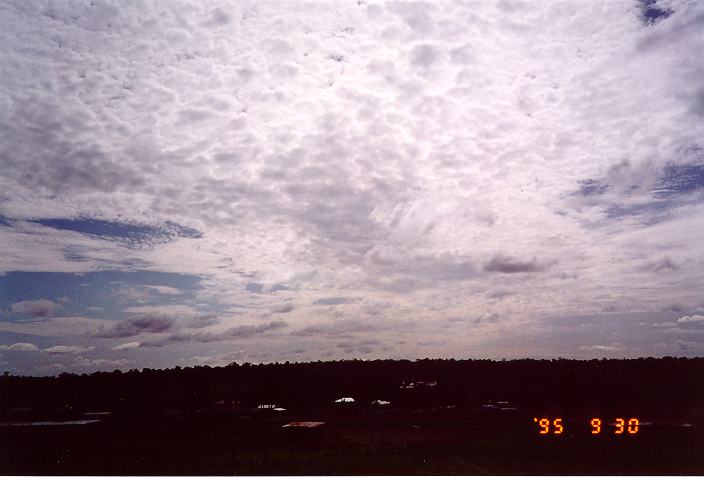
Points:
(305, 387)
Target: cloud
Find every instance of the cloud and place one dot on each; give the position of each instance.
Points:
(126, 346)
(66, 349)
(695, 319)
(202, 321)
(358, 346)
(499, 292)
(503, 264)
(663, 265)
(88, 363)
(492, 317)
(245, 331)
(430, 156)
(685, 325)
(239, 332)
(137, 325)
(164, 290)
(333, 301)
(41, 308)
(58, 326)
(20, 347)
(613, 347)
(285, 308)
(339, 328)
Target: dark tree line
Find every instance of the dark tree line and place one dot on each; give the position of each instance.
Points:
(646, 382)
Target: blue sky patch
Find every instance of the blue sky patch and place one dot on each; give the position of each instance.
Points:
(81, 292)
(137, 235)
(652, 13)
(680, 179)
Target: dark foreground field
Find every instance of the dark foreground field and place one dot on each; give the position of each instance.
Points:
(462, 418)
(389, 443)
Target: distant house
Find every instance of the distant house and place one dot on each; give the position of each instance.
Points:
(270, 407)
(345, 400)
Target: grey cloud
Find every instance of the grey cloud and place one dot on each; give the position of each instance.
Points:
(665, 264)
(503, 264)
(377, 308)
(417, 15)
(250, 330)
(240, 332)
(358, 346)
(219, 18)
(278, 287)
(462, 55)
(202, 321)
(34, 308)
(487, 318)
(425, 56)
(400, 272)
(499, 292)
(51, 155)
(137, 325)
(333, 301)
(254, 287)
(285, 308)
(590, 187)
(340, 327)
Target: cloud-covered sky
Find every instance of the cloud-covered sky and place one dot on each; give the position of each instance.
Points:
(208, 182)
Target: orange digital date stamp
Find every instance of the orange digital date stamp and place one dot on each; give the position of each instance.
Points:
(555, 426)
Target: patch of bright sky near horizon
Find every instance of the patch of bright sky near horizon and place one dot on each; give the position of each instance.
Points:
(207, 182)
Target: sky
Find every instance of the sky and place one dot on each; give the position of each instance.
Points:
(196, 182)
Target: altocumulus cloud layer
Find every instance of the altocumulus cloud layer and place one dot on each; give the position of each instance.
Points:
(207, 182)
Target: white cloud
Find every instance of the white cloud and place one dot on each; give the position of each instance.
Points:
(431, 156)
(21, 347)
(126, 346)
(34, 308)
(67, 349)
(613, 347)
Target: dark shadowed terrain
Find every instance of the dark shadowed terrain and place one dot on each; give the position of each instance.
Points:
(442, 417)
